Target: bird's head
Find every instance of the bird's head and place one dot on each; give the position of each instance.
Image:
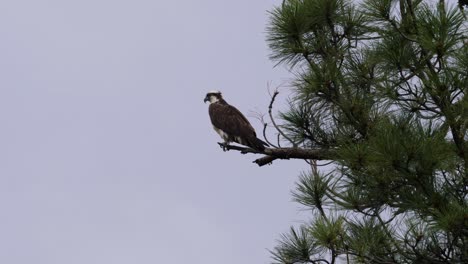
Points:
(213, 96)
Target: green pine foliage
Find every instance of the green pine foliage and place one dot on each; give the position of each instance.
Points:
(383, 84)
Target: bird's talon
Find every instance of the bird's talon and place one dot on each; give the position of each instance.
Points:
(223, 146)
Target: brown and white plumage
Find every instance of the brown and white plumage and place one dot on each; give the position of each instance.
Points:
(230, 123)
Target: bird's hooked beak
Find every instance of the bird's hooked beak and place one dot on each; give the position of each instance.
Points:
(207, 99)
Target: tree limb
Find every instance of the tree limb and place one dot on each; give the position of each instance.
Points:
(270, 107)
(283, 153)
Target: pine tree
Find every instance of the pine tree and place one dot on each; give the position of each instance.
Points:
(380, 91)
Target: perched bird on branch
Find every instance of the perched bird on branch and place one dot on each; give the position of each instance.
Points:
(231, 124)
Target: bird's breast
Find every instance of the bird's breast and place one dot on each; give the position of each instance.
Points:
(221, 133)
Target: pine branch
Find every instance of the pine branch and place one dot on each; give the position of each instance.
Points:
(272, 154)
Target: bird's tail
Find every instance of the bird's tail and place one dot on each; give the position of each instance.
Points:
(257, 143)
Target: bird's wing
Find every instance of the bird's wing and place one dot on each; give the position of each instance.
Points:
(227, 118)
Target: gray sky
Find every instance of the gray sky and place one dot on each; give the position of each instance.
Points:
(107, 154)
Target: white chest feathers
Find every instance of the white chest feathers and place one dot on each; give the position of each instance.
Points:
(221, 133)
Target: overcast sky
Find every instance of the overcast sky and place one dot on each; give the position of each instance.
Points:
(107, 154)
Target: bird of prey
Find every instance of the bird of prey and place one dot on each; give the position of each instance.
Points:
(230, 123)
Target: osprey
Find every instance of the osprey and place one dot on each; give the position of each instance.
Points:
(230, 123)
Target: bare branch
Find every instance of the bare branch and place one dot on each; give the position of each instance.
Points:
(283, 153)
(266, 160)
(265, 137)
(270, 108)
